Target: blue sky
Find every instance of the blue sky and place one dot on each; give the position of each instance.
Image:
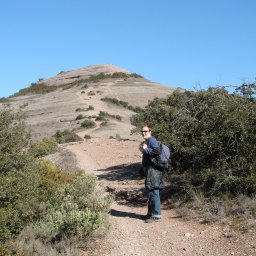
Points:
(192, 44)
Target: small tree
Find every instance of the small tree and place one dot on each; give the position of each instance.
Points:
(247, 90)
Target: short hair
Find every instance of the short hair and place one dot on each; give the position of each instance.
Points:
(149, 127)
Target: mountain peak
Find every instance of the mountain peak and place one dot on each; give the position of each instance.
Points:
(65, 77)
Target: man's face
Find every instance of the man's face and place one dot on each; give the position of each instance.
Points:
(145, 132)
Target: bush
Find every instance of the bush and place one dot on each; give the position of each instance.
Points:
(43, 210)
(14, 140)
(87, 136)
(66, 136)
(213, 136)
(104, 115)
(53, 177)
(44, 147)
(90, 108)
(104, 123)
(121, 103)
(80, 116)
(88, 124)
(79, 208)
(36, 88)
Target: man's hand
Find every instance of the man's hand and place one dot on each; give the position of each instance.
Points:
(145, 146)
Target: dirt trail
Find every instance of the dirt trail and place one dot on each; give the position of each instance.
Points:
(116, 163)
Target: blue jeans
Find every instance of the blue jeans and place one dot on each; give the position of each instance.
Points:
(154, 209)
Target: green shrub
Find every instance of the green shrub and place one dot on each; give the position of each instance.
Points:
(66, 136)
(87, 136)
(136, 75)
(53, 177)
(44, 147)
(79, 208)
(122, 104)
(118, 117)
(104, 123)
(212, 135)
(42, 208)
(103, 116)
(20, 202)
(36, 88)
(101, 76)
(90, 108)
(97, 78)
(80, 116)
(14, 140)
(88, 124)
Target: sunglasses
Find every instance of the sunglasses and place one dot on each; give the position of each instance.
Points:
(144, 131)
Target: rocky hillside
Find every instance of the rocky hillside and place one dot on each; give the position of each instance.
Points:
(69, 98)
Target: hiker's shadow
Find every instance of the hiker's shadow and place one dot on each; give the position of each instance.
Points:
(121, 172)
(121, 214)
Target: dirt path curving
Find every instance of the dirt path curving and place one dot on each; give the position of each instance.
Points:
(116, 163)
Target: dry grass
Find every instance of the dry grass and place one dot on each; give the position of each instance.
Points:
(239, 213)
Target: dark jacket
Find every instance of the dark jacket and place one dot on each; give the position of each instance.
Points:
(154, 175)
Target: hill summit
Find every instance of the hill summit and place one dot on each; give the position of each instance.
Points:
(103, 95)
(66, 77)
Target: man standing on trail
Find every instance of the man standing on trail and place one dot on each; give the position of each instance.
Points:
(154, 176)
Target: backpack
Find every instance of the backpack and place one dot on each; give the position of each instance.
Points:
(163, 158)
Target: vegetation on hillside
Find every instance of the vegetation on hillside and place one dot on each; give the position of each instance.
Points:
(102, 76)
(36, 88)
(3, 100)
(43, 209)
(121, 103)
(88, 124)
(212, 135)
(42, 88)
(103, 116)
(44, 147)
(66, 136)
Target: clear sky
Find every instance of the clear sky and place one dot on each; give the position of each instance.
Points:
(192, 44)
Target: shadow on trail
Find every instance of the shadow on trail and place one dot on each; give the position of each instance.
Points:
(125, 192)
(121, 172)
(122, 214)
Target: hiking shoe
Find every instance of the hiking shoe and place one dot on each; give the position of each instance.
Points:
(152, 219)
(146, 217)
